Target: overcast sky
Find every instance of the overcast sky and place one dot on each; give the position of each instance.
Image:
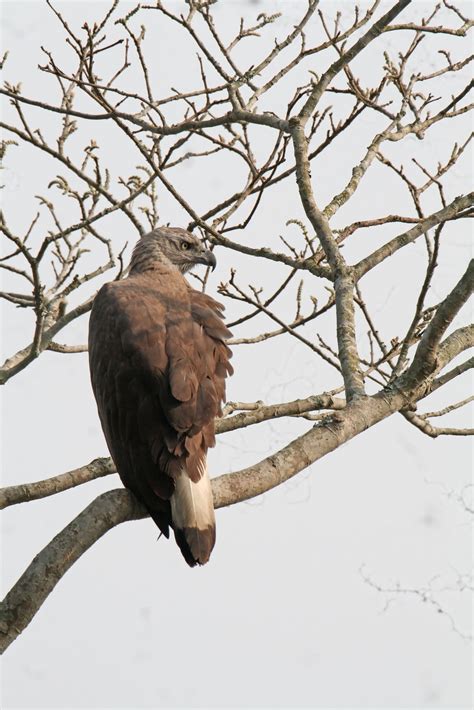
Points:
(281, 616)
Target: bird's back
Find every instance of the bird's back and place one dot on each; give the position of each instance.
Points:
(158, 362)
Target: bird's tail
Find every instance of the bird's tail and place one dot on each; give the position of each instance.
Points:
(192, 513)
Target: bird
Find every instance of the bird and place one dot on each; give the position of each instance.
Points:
(158, 363)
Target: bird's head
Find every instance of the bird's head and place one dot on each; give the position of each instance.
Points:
(172, 244)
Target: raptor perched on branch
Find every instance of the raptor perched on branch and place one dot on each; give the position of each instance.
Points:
(158, 362)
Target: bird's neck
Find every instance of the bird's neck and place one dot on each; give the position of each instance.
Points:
(148, 257)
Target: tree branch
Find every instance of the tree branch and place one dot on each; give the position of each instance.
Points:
(256, 413)
(21, 359)
(117, 506)
(342, 274)
(38, 581)
(427, 428)
(374, 31)
(425, 359)
(449, 212)
(11, 495)
(456, 343)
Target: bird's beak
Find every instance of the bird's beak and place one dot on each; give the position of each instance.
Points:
(207, 258)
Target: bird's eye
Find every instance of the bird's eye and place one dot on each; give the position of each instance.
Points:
(185, 246)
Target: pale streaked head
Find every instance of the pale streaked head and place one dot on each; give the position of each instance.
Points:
(170, 244)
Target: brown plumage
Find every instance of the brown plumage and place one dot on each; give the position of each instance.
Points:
(158, 363)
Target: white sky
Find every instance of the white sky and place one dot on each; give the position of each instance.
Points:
(281, 616)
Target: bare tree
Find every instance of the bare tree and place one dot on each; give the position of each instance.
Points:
(273, 120)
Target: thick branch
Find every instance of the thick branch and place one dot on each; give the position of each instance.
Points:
(425, 359)
(259, 412)
(452, 374)
(11, 495)
(273, 411)
(449, 212)
(38, 581)
(342, 274)
(457, 342)
(115, 507)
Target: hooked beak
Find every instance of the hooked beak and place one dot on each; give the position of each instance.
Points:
(208, 259)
